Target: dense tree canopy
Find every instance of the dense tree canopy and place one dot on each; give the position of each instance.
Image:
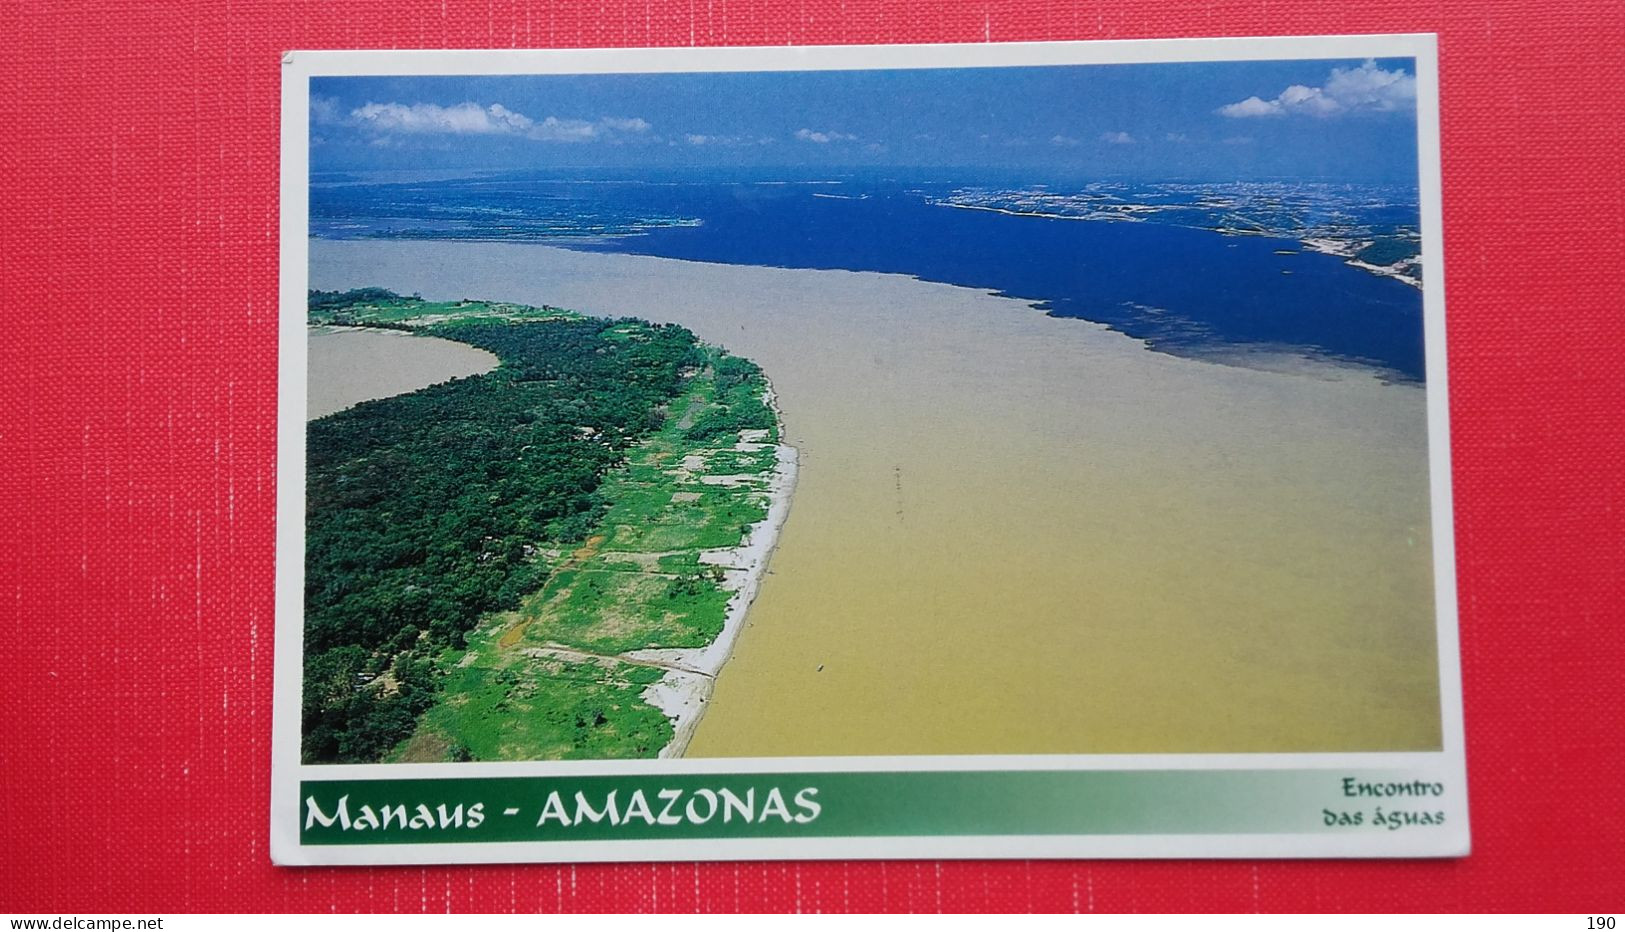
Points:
(425, 510)
(336, 300)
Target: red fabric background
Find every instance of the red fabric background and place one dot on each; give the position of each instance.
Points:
(138, 272)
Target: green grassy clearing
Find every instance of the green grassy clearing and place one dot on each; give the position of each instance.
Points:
(373, 309)
(635, 582)
(511, 705)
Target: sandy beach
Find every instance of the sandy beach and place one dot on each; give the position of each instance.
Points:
(684, 693)
(1021, 534)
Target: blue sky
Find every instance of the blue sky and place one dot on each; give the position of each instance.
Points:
(1318, 119)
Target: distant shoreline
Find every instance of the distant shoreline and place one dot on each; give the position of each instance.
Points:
(1347, 251)
(1266, 268)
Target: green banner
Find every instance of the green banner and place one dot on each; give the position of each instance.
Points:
(918, 803)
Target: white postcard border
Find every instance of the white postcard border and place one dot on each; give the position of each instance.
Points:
(1448, 764)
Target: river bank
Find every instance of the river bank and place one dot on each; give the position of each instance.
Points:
(684, 693)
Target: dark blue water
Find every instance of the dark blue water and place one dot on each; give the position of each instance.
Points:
(1184, 290)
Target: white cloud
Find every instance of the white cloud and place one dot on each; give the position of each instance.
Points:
(705, 139)
(1371, 88)
(1310, 100)
(554, 129)
(823, 138)
(464, 118)
(1177, 137)
(627, 125)
(1366, 88)
(1117, 139)
(469, 118)
(1064, 141)
(324, 111)
(1251, 107)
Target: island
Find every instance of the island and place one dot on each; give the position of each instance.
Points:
(549, 560)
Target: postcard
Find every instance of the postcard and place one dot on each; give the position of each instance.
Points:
(1025, 450)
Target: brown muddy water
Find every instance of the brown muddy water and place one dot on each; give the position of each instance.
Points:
(1021, 534)
(348, 366)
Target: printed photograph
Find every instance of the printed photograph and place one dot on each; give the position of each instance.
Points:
(1060, 410)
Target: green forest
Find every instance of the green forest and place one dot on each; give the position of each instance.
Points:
(425, 511)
